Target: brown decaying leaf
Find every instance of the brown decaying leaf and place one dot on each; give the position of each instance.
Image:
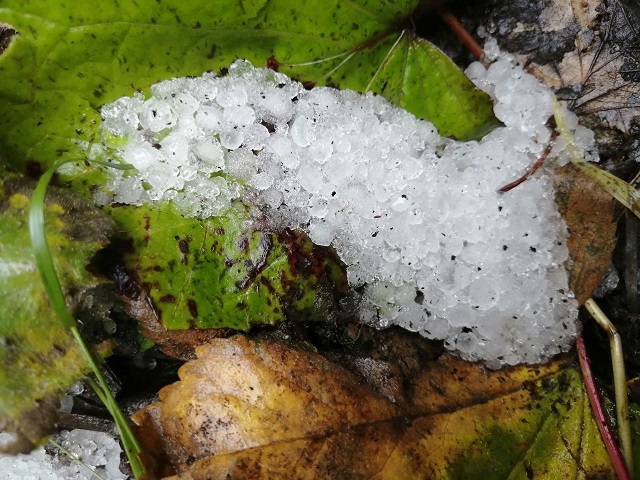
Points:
(589, 212)
(268, 409)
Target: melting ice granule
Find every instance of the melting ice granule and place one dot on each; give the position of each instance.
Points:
(416, 218)
(98, 451)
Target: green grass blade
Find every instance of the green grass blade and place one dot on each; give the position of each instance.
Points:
(46, 267)
(44, 261)
(616, 187)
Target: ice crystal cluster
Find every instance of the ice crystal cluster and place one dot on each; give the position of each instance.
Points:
(417, 218)
(97, 451)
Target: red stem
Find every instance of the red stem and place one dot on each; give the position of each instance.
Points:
(461, 32)
(534, 167)
(599, 413)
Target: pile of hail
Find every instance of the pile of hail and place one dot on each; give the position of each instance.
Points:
(416, 218)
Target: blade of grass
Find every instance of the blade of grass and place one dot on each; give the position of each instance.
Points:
(616, 187)
(44, 261)
(46, 267)
(619, 381)
(76, 459)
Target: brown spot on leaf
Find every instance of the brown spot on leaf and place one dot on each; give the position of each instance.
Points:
(7, 33)
(273, 64)
(265, 281)
(183, 245)
(193, 307)
(168, 298)
(242, 243)
(256, 268)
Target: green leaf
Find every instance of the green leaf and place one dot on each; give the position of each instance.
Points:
(39, 358)
(68, 61)
(223, 271)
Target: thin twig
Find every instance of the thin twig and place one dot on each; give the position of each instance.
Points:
(315, 62)
(462, 33)
(534, 167)
(631, 262)
(619, 381)
(599, 412)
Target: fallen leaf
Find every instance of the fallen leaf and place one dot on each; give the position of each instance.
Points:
(219, 273)
(66, 62)
(269, 409)
(589, 212)
(39, 358)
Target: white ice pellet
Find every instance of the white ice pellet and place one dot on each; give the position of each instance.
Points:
(209, 118)
(97, 451)
(175, 149)
(241, 115)
(140, 155)
(232, 139)
(210, 151)
(276, 106)
(417, 218)
(302, 132)
(156, 115)
(255, 136)
(261, 181)
(233, 96)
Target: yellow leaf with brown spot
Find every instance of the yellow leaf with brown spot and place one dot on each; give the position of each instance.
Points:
(267, 409)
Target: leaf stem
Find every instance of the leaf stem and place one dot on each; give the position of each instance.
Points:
(315, 62)
(631, 262)
(619, 381)
(47, 269)
(385, 61)
(330, 72)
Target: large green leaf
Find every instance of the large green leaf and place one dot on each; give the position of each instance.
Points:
(223, 271)
(69, 59)
(39, 358)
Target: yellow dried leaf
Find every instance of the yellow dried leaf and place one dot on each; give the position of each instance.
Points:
(266, 409)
